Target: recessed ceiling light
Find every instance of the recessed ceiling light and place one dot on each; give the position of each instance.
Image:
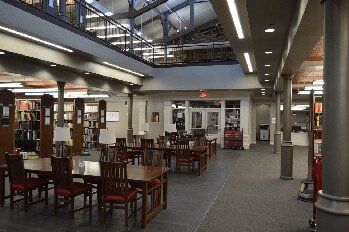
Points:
(236, 19)
(267, 65)
(87, 73)
(248, 61)
(269, 29)
(131, 84)
(185, 28)
(268, 52)
(53, 65)
(262, 89)
(2, 53)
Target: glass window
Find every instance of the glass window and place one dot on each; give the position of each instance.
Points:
(205, 104)
(196, 121)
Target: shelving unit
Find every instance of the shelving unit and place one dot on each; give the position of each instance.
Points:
(232, 115)
(27, 125)
(91, 126)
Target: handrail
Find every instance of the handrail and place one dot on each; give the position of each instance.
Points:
(88, 18)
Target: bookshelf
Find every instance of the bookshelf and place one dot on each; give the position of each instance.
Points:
(46, 126)
(91, 126)
(27, 125)
(7, 119)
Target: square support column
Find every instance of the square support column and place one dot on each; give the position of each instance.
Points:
(286, 145)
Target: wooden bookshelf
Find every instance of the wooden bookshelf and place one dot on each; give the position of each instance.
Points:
(78, 126)
(27, 125)
(91, 125)
(46, 125)
(7, 121)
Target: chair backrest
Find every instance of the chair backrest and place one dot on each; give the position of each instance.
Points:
(173, 138)
(182, 148)
(15, 167)
(120, 142)
(147, 143)
(200, 141)
(114, 178)
(62, 172)
(153, 158)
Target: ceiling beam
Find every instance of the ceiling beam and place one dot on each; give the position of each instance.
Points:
(170, 11)
(139, 12)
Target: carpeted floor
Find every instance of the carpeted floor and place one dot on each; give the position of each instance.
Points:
(254, 199)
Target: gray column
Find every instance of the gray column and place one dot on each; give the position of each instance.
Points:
(277, 133)
(286, 145)
(132, 23)
(165, 27)
(62, 11)
(130, 117)
(311, 137)
(333, 200)
(60, 110)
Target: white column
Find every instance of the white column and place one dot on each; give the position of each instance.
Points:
(245, 122)
(167, 115)
(222, 124)
(186, 114)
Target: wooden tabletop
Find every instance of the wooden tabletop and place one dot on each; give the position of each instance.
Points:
(92, 169)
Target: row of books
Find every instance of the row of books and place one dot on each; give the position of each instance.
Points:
(27, 105)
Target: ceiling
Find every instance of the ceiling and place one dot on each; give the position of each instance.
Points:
(149, 23)
(297, 30)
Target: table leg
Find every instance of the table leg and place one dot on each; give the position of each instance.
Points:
(144, 204)
(2, 187)
(165, 186)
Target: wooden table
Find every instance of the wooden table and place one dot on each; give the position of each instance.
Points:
(139, 174)
(199, 152)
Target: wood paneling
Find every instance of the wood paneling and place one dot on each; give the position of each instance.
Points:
(46, 130)
(7, 140)
(78, 126)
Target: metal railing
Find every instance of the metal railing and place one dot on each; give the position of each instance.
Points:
(86, 17)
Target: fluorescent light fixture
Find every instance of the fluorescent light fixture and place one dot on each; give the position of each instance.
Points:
(269, 29)
(160, 56)
(313, 88)
(101, 27)
(87, 73)
(267, 74)
(11, 85)
(55, 95)
(268, 52)
(27, 90)
(267, 65)
(131, 84)
(267, 80)
(34, 39)
(262, 89)
(127, 42)
(307, 92)
(123, 69)
(53, 65)
(318, 82)
(89, 16)
(113, 36)
(236, 19)
(2, 53)
(248, 61)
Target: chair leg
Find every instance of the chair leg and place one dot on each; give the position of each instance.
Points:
(72, 208)
(30, 195)
(85, 199)
(46, 194)
(126, 214)
(25, 193)
(135, 207)
(11, 199)
(90, 202)
(55, 206)
(104, 214)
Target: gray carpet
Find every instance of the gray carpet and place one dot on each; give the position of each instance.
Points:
(254, 199)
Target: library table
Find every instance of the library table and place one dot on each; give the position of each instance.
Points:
(142, 175)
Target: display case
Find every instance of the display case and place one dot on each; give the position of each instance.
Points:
(178, 115)
(232, 115)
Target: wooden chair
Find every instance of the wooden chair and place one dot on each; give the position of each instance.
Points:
(67, 189)
(22, 185)
(200, 153)
(122, 153)
(183, 155)
(116, 193)
(154, 159)
(147, 143)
